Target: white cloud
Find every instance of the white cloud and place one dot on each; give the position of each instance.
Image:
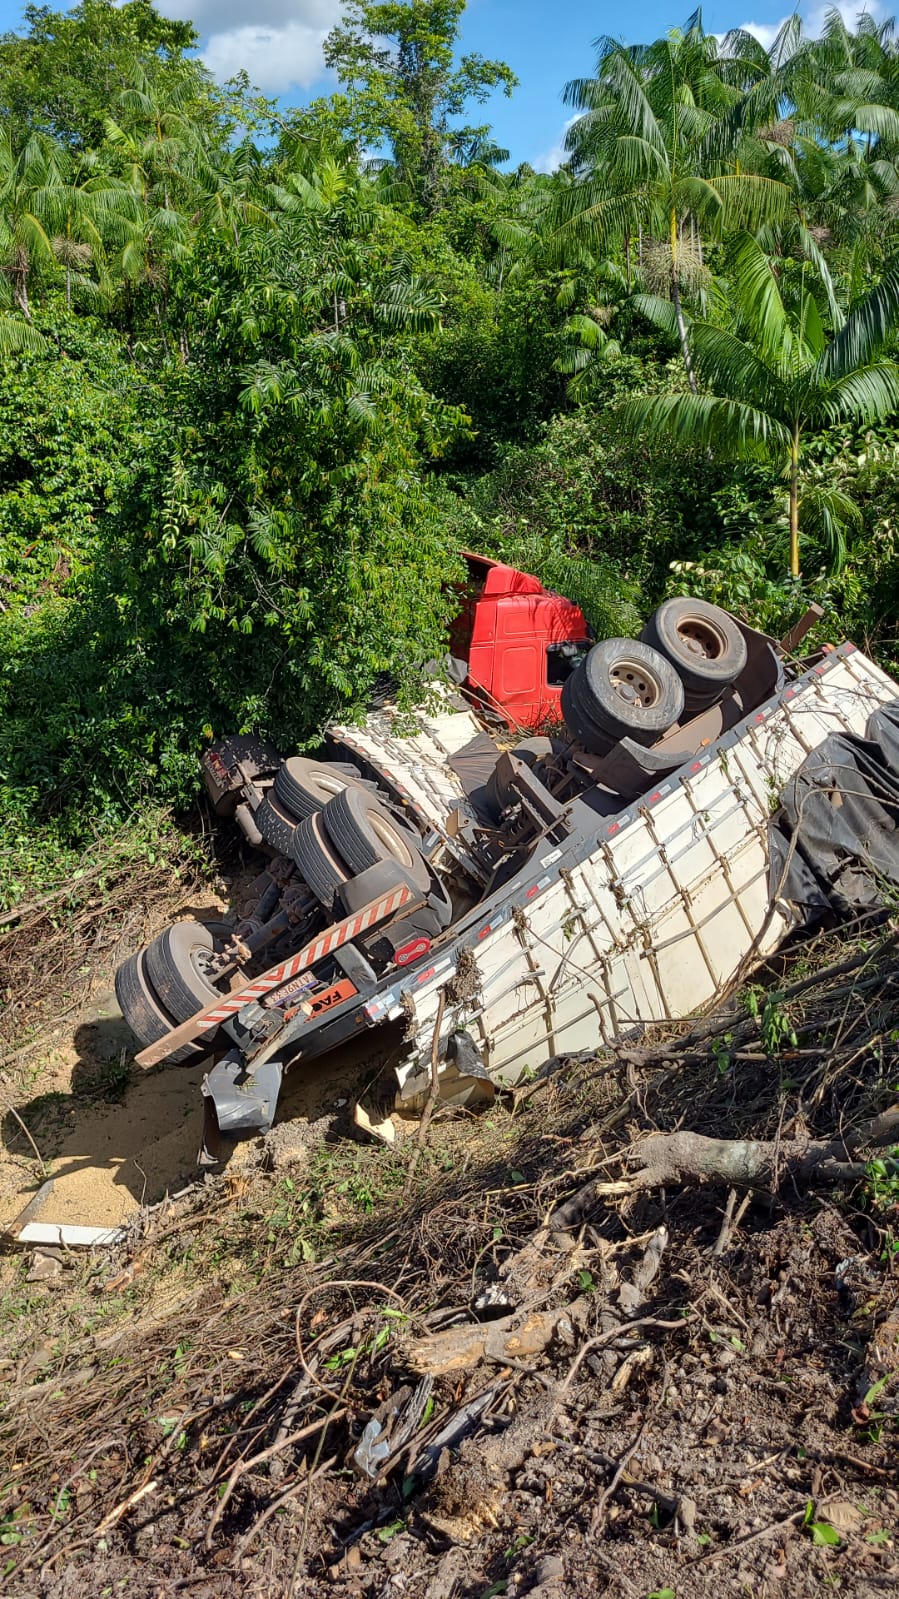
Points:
(276, 59)
(765, 32)
(556, 154)
(850, 13)
(226, 16)
(277, 42)
(814, 18)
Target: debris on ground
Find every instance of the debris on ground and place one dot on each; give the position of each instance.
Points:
(548, 1367)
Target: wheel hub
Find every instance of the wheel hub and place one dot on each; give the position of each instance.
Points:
(633, 684)
(702, 640)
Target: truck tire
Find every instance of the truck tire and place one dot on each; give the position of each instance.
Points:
(702, 643)
(276, 824)
(531, 750)
(628, 690)
(143, 1012)
(365, 832)
(175, 967)
(582, 727)
(318, 862)
(303, 787)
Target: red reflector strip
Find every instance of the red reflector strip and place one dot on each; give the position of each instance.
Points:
(341, 933)
(412, 951)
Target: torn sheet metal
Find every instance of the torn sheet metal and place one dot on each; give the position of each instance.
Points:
(245, 1098)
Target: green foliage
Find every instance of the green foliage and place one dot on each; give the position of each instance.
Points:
(495, 358)
(396, 61)
(880, 1191)
(576, 508)
(62, 75)
(254, 399)
(776, 376)
(65, 423)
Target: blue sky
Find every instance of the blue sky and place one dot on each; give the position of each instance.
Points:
(279, 43)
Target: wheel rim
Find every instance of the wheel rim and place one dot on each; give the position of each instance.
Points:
(331, 785)
(396, 847)
(201, 959)
(635, 684)
(701, 638)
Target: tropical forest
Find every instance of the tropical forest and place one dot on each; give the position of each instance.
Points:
(260, 385)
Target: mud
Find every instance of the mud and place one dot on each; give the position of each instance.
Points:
(108, 1160)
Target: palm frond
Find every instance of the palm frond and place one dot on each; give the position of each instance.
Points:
(865, 395)
(658, 311)
(867, 327)
(733, 368)
(705, 421)
(826, 513)
(758, 297)
(18, 337)
(810, 249)
(751, 198)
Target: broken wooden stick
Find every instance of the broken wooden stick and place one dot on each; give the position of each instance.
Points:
(683, 1157)
(512, 1338)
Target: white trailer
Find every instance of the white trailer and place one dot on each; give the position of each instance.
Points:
(576, 917)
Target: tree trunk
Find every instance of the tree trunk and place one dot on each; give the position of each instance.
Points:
(794, 502)
(678, 310)
(627, 260)
(22, 295)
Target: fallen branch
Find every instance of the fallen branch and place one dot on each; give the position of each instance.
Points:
(512, 1338)
(748, 1162)
(665, 1158)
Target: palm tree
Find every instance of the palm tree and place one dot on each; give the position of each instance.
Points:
(82, 210)
(640, 156)
(25, 245)
(777, 376)
(160, 149)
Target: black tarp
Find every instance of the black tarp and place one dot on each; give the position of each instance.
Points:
(835, 840)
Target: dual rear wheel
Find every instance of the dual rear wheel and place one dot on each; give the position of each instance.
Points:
(688, 654)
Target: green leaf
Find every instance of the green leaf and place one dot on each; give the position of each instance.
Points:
(390, 1531)
(823, 1533)
(867, 327)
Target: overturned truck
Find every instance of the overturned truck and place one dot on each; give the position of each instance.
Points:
(506, 901)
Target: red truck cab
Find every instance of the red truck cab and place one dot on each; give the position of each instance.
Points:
(519, 640)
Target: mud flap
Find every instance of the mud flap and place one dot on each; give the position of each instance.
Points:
(239, 1102)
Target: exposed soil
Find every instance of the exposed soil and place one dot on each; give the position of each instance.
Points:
(687, 1433)
(578, 1385)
